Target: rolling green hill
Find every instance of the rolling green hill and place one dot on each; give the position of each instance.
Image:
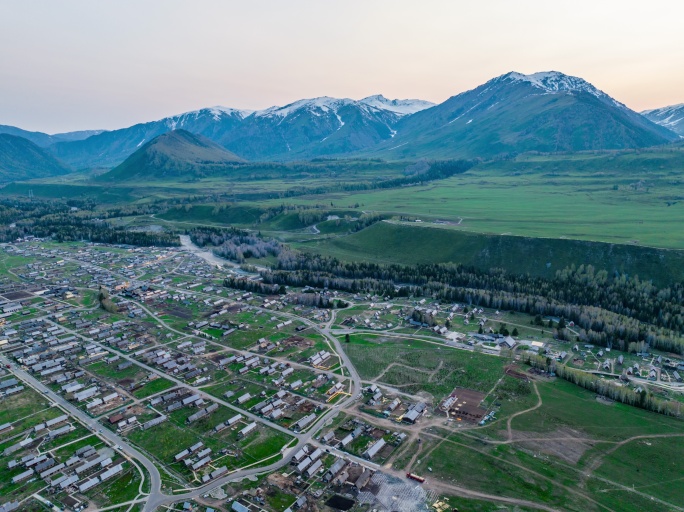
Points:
(175, 155)
(386, 242)
(21, 159)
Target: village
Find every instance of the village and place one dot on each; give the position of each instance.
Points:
(112, 353)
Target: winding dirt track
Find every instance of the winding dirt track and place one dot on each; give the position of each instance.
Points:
(519, 413)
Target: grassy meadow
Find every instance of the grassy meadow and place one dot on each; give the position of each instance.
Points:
(582, 454)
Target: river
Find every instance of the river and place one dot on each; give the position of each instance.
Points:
(212, 259)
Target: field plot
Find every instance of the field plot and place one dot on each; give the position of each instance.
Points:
(224, 446)
(412, 366)
(48, 436)
(547, 196)
(620, 456)
(152, 387)
(22, 406)
(124, 377)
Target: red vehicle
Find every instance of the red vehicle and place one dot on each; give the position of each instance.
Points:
(415, 477)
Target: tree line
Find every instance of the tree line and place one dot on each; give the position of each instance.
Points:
(235, 244)
(605, 310)
(638, 397)
(69, 221)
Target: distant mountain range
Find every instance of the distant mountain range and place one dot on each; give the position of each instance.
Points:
(513, 113)
(44, 140)
(178, 154)
(303, 129)
(671, 117)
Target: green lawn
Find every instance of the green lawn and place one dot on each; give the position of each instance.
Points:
(568, 405)
(111, 371)
(122, 489)
(590, 197)
(649, 465)
(152, 387)
(410, 243)
(436, 369)
(22, 404)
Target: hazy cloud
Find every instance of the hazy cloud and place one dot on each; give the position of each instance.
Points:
(77, 64)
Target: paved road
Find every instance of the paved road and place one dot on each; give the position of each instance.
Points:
(92, 424)
(157, 498)
(160, 499)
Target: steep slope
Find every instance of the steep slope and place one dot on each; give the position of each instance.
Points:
(178, 154)
(303, 129)
(515, 113)
(21, 159)
(318, 127)
(40, 139)
(671, 117)
(408, 245)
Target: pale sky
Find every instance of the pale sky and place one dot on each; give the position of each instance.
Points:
(83, 64)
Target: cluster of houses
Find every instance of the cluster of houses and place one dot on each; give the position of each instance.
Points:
(319, 359)
(9, 387)
(196, 457)
(280, 406)
(308, 462)
(499, 339)
(414, 412)
(84, 469)
(175, 363)
(178, 398)
(393, 406)
(32, 437)
(55, 356)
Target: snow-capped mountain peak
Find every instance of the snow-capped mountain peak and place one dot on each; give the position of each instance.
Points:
(671, 117)
(665, 110)
(323, 103)
(553, 82)
(400, 107)
(216, 113)
(326, 103)
(217, 110)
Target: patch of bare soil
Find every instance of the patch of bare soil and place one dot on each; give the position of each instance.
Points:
(179, 312)
(565, 443)
(17, 295)
(515, 372)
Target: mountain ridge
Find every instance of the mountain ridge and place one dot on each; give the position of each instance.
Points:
(512, 113)
(257, 134)
(670, 117)
(45, 140)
